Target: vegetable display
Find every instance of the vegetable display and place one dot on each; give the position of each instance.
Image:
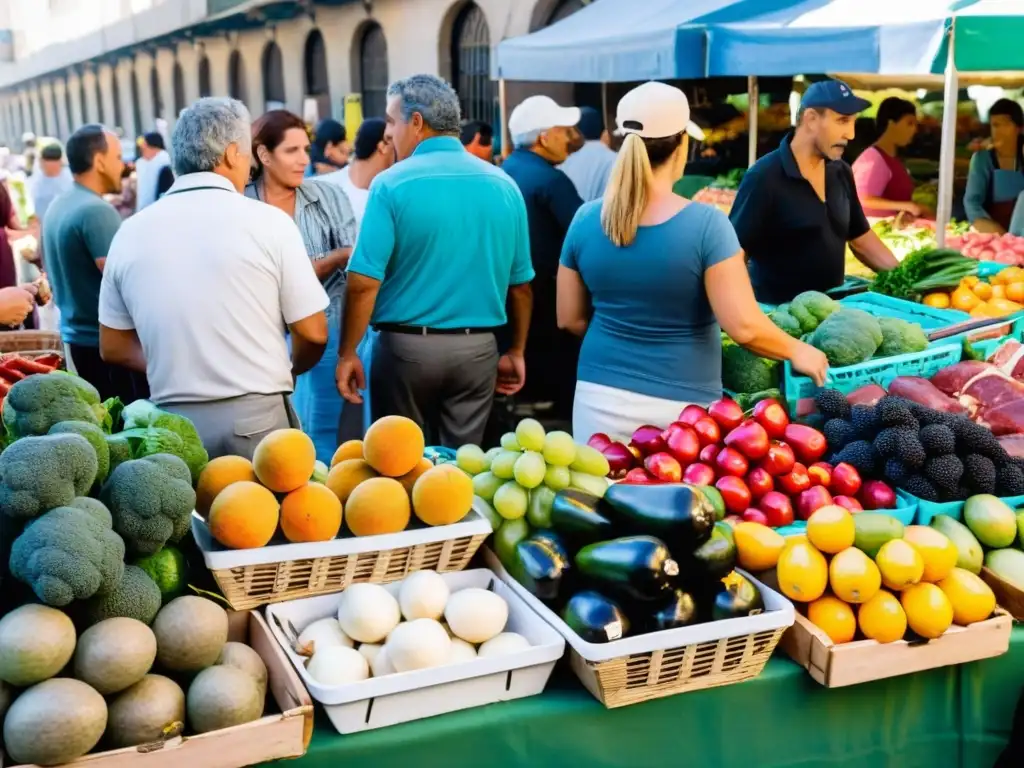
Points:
(926, 269)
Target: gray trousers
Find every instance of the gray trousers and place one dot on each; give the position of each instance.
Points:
(234, 427)
(443, 383)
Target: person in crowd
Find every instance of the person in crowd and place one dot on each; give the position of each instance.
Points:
(543, 134)
(996, 176)
(590, 168)
(28, 153)
(324, 216)
(443, 241)
(153, 172)
(201, 288)
(884, 186)
(79, 228)
(647, 277)
(372, 154)
(797, 207)
(52, 178)
(329, 150)
(16, 304)
(478, 139)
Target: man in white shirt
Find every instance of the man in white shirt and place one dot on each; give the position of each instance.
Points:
(372, 154)
(200, 287)
(50, 179)
(153, 174)
(590, 168)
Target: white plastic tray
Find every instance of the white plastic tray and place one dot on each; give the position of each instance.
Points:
(404, 696)
(219, 558)
(778, 613)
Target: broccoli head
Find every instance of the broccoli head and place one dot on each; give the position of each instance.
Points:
(847, 337)
(787, 323)
(900, 337)
(143, 413)
(136, 596)
(96, 439)
(68, 554)
(37, 402)
(743, 371)
(811, 308)
(94, 507)
(38, 474)
(151, 500)
(120, 450)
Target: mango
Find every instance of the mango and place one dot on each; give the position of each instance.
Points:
(1007, 564)
(873, 529)
(968, 550)
(992, 522)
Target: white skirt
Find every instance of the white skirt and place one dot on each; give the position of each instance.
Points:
(618, 412)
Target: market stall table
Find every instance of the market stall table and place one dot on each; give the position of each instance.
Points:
(783, 718)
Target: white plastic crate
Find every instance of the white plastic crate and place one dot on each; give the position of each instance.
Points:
(404, 696)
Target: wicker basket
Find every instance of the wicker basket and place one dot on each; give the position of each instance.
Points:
(31, 344)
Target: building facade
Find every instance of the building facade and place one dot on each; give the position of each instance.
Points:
(126, 63)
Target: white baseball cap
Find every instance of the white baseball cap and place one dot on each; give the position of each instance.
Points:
(539, 113)
(656, 111)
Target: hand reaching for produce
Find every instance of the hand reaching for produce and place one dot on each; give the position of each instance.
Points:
(811, 362)
(350, 378)
(15, 304)
(42, 290)
(511, 374)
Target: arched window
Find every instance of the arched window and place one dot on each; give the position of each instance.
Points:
(471, 64)
(136, 109)
(273, 75)
(115, 93)
(204, 77)
(373, 70)
(236, 78)
(101, 117)
(179, 88)
(316, 65)
(564, 9)
(154, 86)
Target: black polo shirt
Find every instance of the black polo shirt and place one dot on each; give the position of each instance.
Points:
(794, 242)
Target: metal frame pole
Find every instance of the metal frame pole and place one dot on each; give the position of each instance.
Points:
(753, 102)
(506, 138)
(947, 150)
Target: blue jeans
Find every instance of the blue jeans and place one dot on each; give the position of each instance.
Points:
(316, 399)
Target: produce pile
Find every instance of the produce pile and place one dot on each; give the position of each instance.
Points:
(374, 634)
(923, 271)
(121, 683)
(1005, 249)
(998, 296)
(14, 368)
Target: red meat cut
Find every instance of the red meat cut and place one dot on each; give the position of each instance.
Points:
(1006, 419)
(923, 392)
(1009, 358)
(986, 394)
(869, 394)
(951, 380)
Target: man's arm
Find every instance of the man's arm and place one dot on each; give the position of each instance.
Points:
(360, 298)
(873, 253)
(333, 261)
(99, 234)
(122, 347)
(309, 339)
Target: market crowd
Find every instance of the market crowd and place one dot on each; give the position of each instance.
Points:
(268, 280)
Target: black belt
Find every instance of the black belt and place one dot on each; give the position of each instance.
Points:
(419, 330)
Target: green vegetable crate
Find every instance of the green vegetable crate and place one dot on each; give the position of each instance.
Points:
(926, 510)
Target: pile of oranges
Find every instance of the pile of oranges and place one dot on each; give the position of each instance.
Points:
(999, 296)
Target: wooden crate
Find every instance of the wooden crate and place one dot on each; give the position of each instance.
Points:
(31, 344)
(1007, 595)
(285, 733)
(862, 660)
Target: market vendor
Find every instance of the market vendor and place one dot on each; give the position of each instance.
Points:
(883, 184)
(996, 176)
(797, 207)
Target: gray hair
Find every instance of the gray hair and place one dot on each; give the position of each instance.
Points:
(433, 98)
(528, 139)
(205, 130)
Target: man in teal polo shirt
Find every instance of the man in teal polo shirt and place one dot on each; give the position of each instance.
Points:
(443, 242)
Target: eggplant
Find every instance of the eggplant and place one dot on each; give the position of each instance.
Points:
(579, 517)
(540, 564)
(637, 568)
(738, 597)
(716, 557)
(679, 514)
(679, 611)
(595, 618)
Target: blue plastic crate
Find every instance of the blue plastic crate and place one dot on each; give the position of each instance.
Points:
(905, 511)
(879, 305)
(926, 510)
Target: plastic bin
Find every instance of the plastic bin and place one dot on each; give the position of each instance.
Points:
(926, 510)
(880, 305)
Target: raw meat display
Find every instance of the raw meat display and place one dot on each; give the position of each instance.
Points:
(923, 392)
(1009, 358)
(869, 394)
(952, 380)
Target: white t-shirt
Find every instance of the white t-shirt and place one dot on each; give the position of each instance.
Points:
(209, 279)
(356, 196)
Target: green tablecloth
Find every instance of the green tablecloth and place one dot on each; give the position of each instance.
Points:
(946, 717)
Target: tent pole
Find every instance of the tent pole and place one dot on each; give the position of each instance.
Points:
(506, 139)
(604, 105)
(947, 148)
(753, 99)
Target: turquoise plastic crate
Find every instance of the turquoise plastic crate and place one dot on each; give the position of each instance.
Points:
(905, 511)
(989, 268)
(879, 305)
(926, 510)
(987, 346)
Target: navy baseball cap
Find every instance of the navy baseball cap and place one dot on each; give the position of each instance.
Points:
(835, 95)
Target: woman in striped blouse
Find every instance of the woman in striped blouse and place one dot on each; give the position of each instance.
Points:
(324, 216)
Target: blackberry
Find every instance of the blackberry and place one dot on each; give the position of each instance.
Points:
(832, 404)
(979, 473)
(909, 449)
(920, 486)
(937, 439)
(888, 441)
(838, 433)
(893, 412)
(1009, 480)
(896, 472)
(944, 472)
(974, 438)
(859, 455)
(928, 416)
(865, 420)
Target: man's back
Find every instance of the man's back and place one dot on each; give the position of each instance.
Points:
(589, 169)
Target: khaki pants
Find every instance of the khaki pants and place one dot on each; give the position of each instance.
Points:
(235, 427)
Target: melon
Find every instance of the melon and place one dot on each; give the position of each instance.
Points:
(146, 712)
(244, 516)
(423, 595)
(310, 513)
(222, 697)
(393, 445)
(190, 633)
(338, 665)
(241, 656)
(461, 651)
(504, 644)
(377, 506)
(419, 644)
(368, 612)
(323, 633)
(54, 722)
(346, 475)
(36, 641)
(115, 654)
(442, 495)
(476, 615)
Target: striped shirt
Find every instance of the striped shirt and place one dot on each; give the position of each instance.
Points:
(325, 218)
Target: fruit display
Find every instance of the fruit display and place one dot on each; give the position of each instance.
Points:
(867, 575)
(925, 270)
(1000, 295)
(989, 535)
(123, 683)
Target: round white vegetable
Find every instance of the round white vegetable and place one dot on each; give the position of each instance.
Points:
(504, 644)
(418, 644)
(381, 664)
(338, 665)
(370, 651)
(324, 633)
(461, 651)
(423, 595)
(368, 612)
(476, 615)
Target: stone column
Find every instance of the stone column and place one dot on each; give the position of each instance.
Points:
(218, 52)
(165, 68)
(35, 100)
(123, 73)
(250, 47)
(6, 124)
(291, 38)
(188, 58)
(77, 115)
(60, 97)
(91, 108)
(49, 113)
(143, 65)
(105, 75)
(26, 111)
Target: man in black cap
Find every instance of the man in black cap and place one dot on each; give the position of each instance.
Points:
(329, 150)
(590, 168)
(797, 207)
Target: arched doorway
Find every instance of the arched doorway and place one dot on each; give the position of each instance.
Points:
(315, 64)
(471, 64)
(273, 77)
(136, 108)
(154, 86)
(236, 77)
(373, 70)
(179, 88)
(204, 77)
(115, 92)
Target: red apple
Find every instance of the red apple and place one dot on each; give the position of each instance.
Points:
(811, 500)
(754, 515)
(691, 413)
(682, 442)
(821, 473)
(771, 415)
(759, 482)
(877, 495)
(750, 439)
(726, 412)
(796, 482)
(664, 467)
(707, 430)
(648, 439)
(729, 461)
(620, 459)
(640, 476)
(807, 443)
(848, 502)
(699, 473)
(779, 460)
(777, 508)
(735, 494)
(845, 480)
(599, 441)
(708, 453)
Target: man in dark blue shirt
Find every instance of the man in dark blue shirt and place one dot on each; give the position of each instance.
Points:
(797, 207)
(543, 136)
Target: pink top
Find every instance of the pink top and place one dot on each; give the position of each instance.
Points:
(880, 175)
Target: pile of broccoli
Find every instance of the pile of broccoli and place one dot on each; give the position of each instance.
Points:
(930, 454)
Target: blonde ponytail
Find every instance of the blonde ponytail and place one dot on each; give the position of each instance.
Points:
(626, 195)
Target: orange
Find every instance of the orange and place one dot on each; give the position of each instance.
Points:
(1015, 292)
(970, 281)
(378, 505)
(1004, 306)
(802, 572)
(833, 617)
(442, 495)
(929, 612)
(310, 513)
(982, 290)
(408, 480)
(218, 475)
(854, 577)
(830, 529)
(244, 516)
(937, 551)
(937, 299)
(350, 449)
(284, 460)
(972, 599)
(882, 618)
(1009, 275)
(345, 476)
(900, 564)
(963, 298)
(984, 309)
(393, 445)
(757, 546)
